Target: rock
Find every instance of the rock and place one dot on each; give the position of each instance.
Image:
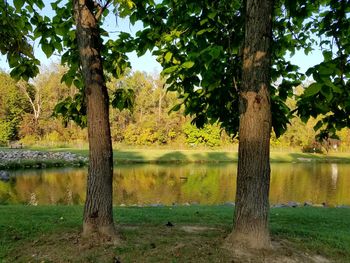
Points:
(293, 204)
(342, 206)
(319, 205)
(38, 157)
(4, 176)
(308, 204)
(279, 205)
(156, 205)
(229, 203)
(169, 224)
(153, 245)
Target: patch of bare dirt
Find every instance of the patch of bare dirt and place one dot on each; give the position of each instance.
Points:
(196, 229)
(65, 247)
(155, 244)
(281, 252)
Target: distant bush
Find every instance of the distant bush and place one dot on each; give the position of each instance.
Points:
(209, 135)
(29, 140)
(4, 132)
(313, 147)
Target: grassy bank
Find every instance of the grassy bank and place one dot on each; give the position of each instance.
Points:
(203, 156)
(51, 234)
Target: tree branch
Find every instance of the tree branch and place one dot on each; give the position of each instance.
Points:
(101, 9)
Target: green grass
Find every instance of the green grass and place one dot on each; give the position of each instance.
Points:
(184, 156)
(50, 234)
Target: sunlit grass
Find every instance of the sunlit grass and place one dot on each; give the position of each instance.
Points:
(164, 155)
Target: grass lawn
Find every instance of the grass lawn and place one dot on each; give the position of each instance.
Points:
(51, 234)
(204, 156)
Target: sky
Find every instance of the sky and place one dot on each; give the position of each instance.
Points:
(148, 62)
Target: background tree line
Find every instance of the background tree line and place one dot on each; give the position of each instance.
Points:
(26, 114)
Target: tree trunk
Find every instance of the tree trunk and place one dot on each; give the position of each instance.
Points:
(253, 176)
(98, 214)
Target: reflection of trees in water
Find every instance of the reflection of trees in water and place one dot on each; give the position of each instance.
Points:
(150, 184)
(312, 182)
(167, 184)
(334, 175)
(51, 186)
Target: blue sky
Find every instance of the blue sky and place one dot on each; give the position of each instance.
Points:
(148, 62)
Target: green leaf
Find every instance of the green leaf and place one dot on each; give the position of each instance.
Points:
(325, 71)
(310, 71)
(203, 21)
(188, 64)
(327, 92)
(123, 99)
(215, 52)
(18, 4)
(212, 14)
(168, 56)
(201, 32)
(318, 125)
(327, 55)
(334, 87)
(170, 69)
(313, 89)
(47, 49)
(175, 108)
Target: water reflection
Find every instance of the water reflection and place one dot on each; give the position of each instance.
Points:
(180, 184)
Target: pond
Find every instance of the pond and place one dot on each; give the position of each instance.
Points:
(151, 184)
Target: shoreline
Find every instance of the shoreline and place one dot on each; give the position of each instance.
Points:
(28, 159)
(11, 159)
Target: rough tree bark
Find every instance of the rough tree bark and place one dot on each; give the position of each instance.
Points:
(98, 215)
(253, 176)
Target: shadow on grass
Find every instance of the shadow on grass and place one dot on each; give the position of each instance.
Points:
(222, 156)
(310, 157)
(128, 157)
(173, 157)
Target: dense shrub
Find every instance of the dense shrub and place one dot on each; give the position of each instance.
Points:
(314, 147)
(209, 135)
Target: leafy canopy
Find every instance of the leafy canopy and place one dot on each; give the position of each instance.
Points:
(199, 44)
(24, 22)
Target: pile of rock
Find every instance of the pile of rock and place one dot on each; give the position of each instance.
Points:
(305, 204)
(36, 159)
(15, 155)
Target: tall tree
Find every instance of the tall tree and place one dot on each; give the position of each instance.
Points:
(98, 214)
(206, 55)
(75, 30)
(253, 176)
(217, 64)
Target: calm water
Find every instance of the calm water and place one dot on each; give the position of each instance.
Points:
(180, 184)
